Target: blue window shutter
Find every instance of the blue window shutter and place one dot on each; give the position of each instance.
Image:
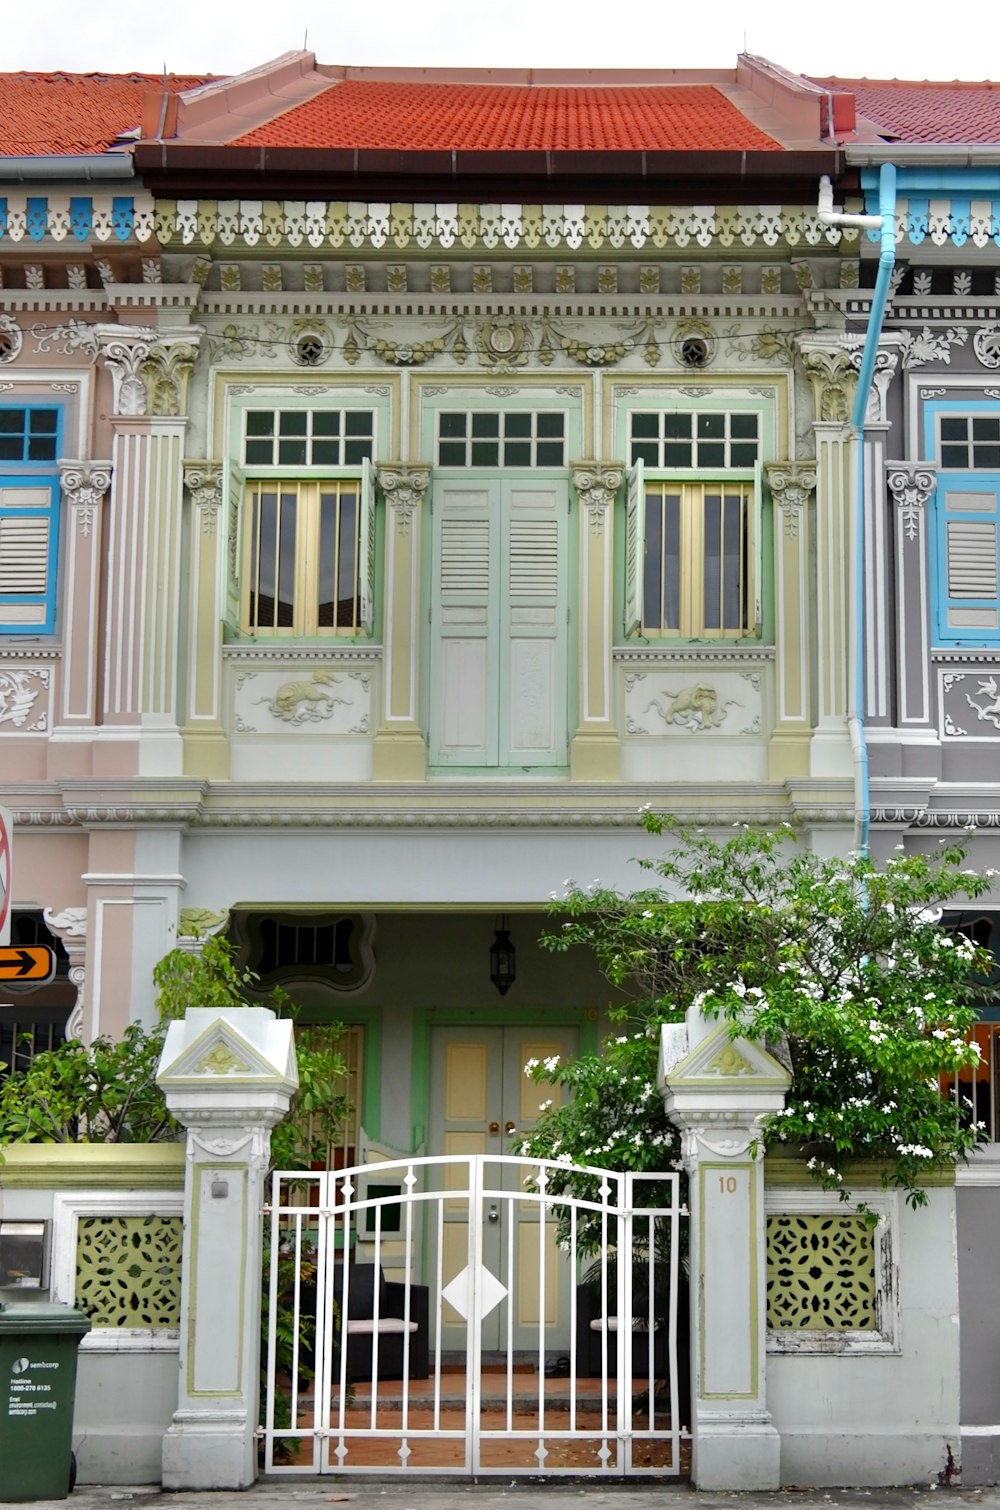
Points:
(968, 566)
(29, 541)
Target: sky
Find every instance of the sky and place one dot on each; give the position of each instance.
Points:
(854, 38)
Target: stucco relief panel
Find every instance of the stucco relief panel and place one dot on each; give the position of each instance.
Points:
(969, 702)
(25, 698)
(693, 702)
(313, 698)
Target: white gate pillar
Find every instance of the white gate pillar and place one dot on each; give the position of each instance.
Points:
(717, 1089)
(228, 1075)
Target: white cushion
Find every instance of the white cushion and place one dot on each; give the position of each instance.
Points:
(391, 1326)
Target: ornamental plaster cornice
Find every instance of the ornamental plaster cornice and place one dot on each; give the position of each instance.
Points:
(284, 806)
(282, 655)
(443, 306)
(629, 654)
(27, 653)
(55, 301)
(944, 656)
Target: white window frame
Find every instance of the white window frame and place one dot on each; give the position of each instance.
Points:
(781, 1200)
(67, 1209)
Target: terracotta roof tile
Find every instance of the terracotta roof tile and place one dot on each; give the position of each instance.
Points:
(48, 114)
(926, 111)
(493, 117)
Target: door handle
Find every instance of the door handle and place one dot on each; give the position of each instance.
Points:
(494, 1128)
(509, 1127)
(494, 1214)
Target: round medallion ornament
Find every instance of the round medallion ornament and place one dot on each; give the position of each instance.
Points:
(986, 344)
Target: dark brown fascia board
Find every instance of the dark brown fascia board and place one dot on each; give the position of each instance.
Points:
(611, 177)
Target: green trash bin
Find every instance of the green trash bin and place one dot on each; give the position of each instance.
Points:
(38, 1347)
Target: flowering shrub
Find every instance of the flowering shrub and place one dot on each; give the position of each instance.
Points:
(843, 962)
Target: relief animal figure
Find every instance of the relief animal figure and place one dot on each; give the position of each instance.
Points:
(988, 712)
(298, 701)
(694, 707)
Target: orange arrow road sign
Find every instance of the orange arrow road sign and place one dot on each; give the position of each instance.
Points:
(32, 963)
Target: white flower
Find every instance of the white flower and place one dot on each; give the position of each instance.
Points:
(529, 1065)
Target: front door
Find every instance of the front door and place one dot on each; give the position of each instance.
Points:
(498, 675)
(480, 1098)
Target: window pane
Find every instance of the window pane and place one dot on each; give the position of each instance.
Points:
(549, 424)
(652, 564)
(287, 523)
(712, 565)
(326, 422)
(517, 453)
(986, 427)
(671, 606)
(676, 453)
(451, 453)
(292, 453)
(293, 422)
(326, 453)
(11, 421)
(676, 425)
(733, 562)
(485, 453)
(486, 424)
(742, 455)
(647, 451)
(646, 426)
(263, 554)
(517, 424)
(549, 453)
(743, 426)
(954, 456)
(260, 422)
(953, 429)
(358, 422)
(259, 453)
(41, 448)
(711, 453)
(347, 576)
(711, 426)
(986, 456)
(356, 451)
(11, 448)
(451, 424)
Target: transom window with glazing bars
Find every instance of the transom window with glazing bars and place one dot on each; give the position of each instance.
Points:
(507, 438)
(308, 437)
(711, 439)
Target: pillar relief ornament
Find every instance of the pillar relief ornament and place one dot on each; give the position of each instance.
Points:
(85, 483)
(597, 484)
(886, 362)
(203, 480)
(70, 926)
(123, 349)
(911, 483)
(833, 380)
(166, 373)
(404, 487)
(791, 484)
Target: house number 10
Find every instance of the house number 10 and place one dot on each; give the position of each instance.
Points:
(727, 1184)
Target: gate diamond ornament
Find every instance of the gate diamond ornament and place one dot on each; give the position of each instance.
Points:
(458, 1293)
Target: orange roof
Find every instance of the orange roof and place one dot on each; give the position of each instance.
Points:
(925, 111)
(55, 114)
(371, 114)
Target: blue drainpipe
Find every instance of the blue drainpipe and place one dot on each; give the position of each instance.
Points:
(885, 222)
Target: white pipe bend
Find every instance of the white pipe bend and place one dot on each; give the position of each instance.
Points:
(829, 216)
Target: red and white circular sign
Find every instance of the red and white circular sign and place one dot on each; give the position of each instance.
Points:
(6, 829)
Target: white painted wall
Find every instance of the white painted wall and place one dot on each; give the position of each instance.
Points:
(882, 1418)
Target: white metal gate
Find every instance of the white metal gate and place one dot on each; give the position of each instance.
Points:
(362, 1371)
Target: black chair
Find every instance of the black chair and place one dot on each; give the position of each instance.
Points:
(361, 1328)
